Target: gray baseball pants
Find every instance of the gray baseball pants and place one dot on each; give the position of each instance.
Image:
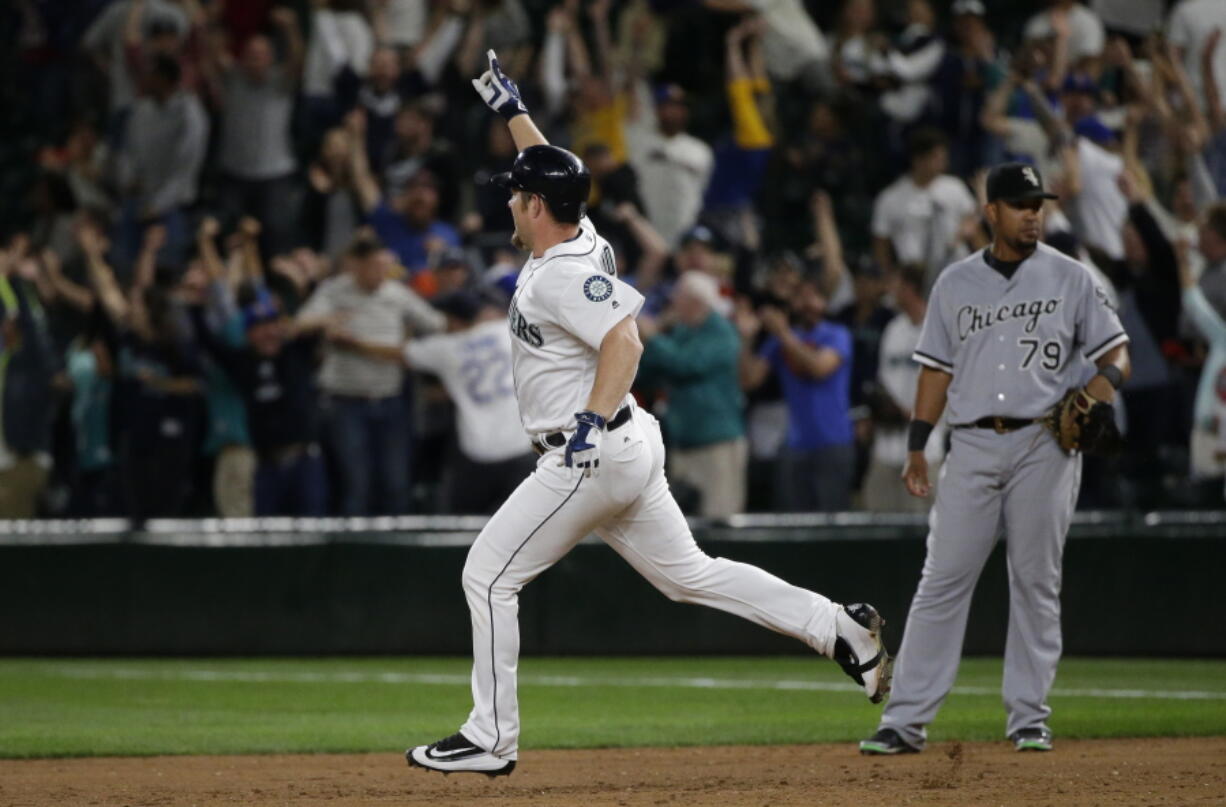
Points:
(1022, 485)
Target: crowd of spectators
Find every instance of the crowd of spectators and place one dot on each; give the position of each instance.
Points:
(251, 262)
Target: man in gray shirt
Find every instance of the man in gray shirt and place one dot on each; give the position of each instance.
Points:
(255, 153)
(160, 163)
(104, 40)
(364, 412)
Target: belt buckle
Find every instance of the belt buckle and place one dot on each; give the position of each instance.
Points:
(998, 423)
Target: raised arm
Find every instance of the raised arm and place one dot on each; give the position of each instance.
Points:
(287, 20)
(1060, 50)
(652, 245)
(994, 116)
(1213, 97)
(576, 49)
(468, 56)
(598, 10)
(249, 248)
(553, 60)
(1192, 116)
(364, 182)
(753, 369)
(883, 253)
(146, 259)
(502, 95)
(1056, 130)
(74, 294)
(100, 275)
(1118, 54)
(133, 28)
(829, 243)
(206, 248)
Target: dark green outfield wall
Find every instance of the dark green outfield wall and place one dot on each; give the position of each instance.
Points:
(1132, 589)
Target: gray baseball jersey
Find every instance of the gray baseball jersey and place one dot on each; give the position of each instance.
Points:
(1015, 345)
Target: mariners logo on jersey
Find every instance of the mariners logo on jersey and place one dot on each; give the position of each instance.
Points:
(597, 289)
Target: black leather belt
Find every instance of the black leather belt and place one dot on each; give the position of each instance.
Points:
(553, 440)
(999, 424)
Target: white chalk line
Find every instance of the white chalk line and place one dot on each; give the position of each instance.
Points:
(636, 682)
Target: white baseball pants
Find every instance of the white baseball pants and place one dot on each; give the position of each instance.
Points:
(630, 507)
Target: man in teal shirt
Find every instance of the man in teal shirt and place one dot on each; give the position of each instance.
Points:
(696, 362)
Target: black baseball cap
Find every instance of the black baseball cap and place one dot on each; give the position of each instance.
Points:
(554, 174)
(1015, 182)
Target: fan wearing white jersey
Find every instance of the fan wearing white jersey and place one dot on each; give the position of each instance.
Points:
(473, 361)
(601, 467)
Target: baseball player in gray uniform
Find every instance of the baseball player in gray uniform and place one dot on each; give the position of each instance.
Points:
(1008, 331)
(601, 466)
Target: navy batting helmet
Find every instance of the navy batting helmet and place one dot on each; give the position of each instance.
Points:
(554, 174)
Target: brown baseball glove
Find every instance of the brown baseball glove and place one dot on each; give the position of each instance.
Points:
(1081, 422)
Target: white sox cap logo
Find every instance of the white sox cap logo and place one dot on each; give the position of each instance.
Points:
(1030, 176)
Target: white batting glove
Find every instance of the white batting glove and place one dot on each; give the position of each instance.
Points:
(583, 449)
(498, 91)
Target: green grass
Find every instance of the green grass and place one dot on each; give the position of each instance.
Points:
(70, 707)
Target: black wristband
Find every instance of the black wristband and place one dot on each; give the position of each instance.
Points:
(1113, 375)
(512, 109)
(917, 434)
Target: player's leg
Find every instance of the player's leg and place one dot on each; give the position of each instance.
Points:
(546, 515)
(1038, 508)
(963, 526)
(653, 537)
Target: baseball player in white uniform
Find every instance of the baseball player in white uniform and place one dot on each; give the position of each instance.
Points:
(601, 465)
(1008, 331)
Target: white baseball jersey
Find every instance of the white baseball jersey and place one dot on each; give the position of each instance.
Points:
(475, 367)
(1016, 345)
(565, 302)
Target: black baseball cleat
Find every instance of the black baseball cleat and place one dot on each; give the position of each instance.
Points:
(457, 754)
(886, 742)
(1035, 739)
(860, 651)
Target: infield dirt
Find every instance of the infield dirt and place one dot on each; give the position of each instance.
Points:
(1087, 772)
